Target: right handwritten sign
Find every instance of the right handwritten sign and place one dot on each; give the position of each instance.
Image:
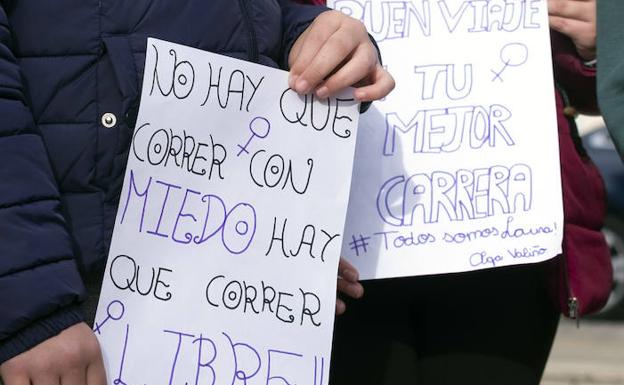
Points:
(458, 169)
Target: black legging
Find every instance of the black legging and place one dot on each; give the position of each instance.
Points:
(489, 327)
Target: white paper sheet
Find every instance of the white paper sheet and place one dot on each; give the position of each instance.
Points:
(223, 262)
(458, 168)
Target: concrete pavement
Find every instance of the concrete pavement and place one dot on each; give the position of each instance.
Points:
(593, 354)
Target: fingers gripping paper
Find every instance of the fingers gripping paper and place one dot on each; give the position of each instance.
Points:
(222, 268)
(458, 168)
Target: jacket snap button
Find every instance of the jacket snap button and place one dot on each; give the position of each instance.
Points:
(109, 120)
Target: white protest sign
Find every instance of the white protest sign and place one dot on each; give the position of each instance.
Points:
(222, 268)
(458, 168)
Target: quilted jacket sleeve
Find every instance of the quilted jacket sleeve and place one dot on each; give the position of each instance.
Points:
(295, 19)
(39, 282)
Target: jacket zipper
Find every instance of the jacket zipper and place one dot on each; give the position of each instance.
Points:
(572, 301)
(252, 47)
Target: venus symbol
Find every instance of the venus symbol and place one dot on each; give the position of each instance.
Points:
(512, 55)
(114, 310)
(259, 127)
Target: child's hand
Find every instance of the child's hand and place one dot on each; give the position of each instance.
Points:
(71, 358)
(577, 20)
(347, 284)
(335, 52)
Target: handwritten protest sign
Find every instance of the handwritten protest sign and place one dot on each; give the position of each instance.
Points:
(458, 168)
(222, 268)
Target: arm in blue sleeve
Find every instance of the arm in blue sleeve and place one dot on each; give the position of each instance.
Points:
(40, 285)
(295, 19)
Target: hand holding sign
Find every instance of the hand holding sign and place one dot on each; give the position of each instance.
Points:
(577, 20)
(333, 53)
(348, 284)
(73, 357)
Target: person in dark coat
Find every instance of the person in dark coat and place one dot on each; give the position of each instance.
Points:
(70, 79)
(611, 69)
(495, 326)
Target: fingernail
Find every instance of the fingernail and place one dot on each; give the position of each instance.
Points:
(351, 275)
(302, 86)
(292, 78)
(360, 291)
(322, 92)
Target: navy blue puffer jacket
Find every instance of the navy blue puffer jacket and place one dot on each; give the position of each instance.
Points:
(70, 77)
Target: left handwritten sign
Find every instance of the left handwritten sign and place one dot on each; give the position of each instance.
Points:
(222, 268)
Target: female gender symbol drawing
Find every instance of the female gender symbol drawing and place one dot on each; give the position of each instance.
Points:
(115, 310)
(512, 55)
(260, 130)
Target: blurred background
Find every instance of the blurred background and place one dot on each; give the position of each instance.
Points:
(594, 353)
